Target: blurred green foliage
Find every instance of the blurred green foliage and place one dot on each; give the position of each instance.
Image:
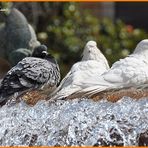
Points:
(65, 28)
(67, 34)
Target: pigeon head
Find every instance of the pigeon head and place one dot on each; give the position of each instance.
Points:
(90, 44)
(91, 52)
(142, 47)
(40, 51)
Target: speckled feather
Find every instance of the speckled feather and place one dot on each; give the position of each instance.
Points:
(31, 73)
(39, 72)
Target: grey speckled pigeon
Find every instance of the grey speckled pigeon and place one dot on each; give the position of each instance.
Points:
(32, 72)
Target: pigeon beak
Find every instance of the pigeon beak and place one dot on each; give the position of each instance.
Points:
(45, 52)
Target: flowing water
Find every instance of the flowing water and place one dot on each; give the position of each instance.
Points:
(81, 122)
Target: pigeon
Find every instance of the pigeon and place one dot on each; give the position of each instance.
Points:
(93, 64)
(131, 71)
(39, 71)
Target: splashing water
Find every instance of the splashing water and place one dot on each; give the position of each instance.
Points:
(74, 122)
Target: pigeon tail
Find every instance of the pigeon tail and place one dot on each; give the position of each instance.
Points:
(90, 91)
(64, 93)
(95, 85)
(59, 88)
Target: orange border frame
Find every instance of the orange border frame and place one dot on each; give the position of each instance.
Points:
(72, 1)
(71, 147)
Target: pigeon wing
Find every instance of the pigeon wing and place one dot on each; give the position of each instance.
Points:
(79, 72)
(40, 71)
(30, 73)
(127, 72)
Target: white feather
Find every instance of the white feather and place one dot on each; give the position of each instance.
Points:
(93, 64)
(129, 72)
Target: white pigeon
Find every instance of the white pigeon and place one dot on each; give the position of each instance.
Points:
(92, 64)
(131, 71)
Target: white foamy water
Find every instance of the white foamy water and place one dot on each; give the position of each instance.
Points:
(74, 122)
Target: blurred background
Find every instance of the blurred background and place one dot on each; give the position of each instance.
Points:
(65, 27)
